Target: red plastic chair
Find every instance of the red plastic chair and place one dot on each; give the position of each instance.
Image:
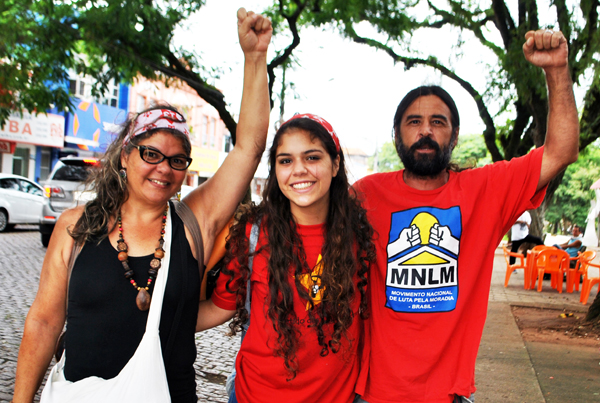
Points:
(510, 268)
(575, 274)
(554, 261)
(588, 284)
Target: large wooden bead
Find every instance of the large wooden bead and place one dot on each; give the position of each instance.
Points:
(121, 246)
(152, 272)
(155, 263)
(159, 253)
(122, 256)
(129, 274)
(143, 300)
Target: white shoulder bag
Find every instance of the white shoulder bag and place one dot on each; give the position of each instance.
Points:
(146, 367)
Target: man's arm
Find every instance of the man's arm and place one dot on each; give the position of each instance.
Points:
(548, 49)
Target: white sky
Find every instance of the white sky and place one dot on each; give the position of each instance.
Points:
(354, 87)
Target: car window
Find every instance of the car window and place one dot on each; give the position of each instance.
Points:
(71, 173)
(30, 188)
(9, 183)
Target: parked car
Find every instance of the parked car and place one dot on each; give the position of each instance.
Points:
(65, 188)
(21, 201)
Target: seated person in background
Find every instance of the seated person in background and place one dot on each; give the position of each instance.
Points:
(519, 234)
(573, 245)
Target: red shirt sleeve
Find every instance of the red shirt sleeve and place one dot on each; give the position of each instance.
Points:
(220, 296)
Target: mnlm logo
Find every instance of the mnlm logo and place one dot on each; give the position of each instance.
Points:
(422, 271)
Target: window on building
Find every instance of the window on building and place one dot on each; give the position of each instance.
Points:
(81, 86)
(21, 162)
(204, 129)
(213, 132)
(226, 141)
(111, 96)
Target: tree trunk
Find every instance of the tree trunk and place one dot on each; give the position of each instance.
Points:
(593, 314)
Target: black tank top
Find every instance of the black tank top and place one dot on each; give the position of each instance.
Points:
(104, 325)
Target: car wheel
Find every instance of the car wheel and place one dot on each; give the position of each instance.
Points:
(3, 220)
(45, 239)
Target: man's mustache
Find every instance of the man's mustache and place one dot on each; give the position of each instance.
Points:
(425, 142)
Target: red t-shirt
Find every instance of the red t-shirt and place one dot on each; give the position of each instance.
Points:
(261, 376)
(430, 289)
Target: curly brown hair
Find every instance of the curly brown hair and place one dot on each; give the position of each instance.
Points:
(346, 225)
(110, 188)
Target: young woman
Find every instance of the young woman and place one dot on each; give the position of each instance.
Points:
(122, 233)
(308, 274)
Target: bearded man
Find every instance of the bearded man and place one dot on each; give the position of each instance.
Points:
(437, 231)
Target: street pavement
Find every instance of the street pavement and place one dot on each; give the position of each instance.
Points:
(508, 369)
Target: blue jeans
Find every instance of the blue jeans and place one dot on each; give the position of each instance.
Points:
(232, 398)
(457, 399)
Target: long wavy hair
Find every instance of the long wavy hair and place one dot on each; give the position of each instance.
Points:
(111, 190)
(346, 225)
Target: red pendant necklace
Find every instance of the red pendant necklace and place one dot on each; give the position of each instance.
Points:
(143, 298)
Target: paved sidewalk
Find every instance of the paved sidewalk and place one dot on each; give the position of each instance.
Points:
(509, 369)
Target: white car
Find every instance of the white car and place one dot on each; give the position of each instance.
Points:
(21, 201)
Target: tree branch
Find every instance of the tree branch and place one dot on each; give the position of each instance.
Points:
(292, 20)
(489, 133)
(504, 22)
(466, 20)
(586, 42)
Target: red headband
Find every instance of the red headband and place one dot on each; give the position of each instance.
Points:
(323, 123)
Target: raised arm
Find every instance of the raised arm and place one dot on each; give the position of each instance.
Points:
(548, 49)
(46, 316)
(214, 202)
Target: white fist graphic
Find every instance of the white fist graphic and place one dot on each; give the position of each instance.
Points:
(408, 237)
(442, 237)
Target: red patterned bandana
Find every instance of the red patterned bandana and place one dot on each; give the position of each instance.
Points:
(323, 123)
(157, 119)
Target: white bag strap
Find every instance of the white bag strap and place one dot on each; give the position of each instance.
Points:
(161, 280)
(251, 249)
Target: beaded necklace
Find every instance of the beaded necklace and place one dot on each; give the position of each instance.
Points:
(143, 298)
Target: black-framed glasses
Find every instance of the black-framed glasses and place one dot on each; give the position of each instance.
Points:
(154, 157)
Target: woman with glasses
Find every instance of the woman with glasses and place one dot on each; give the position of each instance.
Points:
(129, 232)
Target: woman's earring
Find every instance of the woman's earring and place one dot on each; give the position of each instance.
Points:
(123, 174)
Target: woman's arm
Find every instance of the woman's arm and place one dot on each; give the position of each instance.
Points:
(210, 315)
(46, 316)
(214, 202)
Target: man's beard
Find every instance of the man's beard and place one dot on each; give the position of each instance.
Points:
(426, 166)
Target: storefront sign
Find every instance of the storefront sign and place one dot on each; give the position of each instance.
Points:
(7, 147)
(204, 160)
(92, 126)
(42, 130)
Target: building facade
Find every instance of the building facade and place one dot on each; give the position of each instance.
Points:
(30, 144)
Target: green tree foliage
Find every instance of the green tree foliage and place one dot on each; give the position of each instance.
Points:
(41, 40)
(387, 158)
(572, 198)
(32, 54)
(470, 152)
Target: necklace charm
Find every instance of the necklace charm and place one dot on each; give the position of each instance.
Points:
(143, 298)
